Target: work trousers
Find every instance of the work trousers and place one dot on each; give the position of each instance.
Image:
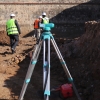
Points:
(14, 39)
(37, 33)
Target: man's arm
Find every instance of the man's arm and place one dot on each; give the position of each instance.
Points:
(16, 23)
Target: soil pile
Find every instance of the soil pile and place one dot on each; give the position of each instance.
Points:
(88, 46)
(4, 39)
(84, 55)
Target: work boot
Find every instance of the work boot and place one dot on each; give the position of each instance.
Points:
(13, 50)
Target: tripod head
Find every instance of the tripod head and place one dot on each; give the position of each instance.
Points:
(46, 27)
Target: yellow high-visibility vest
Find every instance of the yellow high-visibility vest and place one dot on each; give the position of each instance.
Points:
(11, 27)
(45, 20)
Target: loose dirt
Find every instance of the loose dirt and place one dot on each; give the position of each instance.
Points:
(81, 55)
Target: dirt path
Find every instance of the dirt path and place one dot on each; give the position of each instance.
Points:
(9, 66)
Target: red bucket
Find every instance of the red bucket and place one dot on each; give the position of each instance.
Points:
(66, 90)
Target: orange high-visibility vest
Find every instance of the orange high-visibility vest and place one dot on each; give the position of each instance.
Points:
(36, 23)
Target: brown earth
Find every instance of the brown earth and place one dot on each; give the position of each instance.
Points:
(81, 55)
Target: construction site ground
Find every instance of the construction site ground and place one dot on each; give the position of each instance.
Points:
(13, 69)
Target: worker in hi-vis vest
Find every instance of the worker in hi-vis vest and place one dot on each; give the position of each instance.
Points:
(37, 28)
(13, 31)
(45, 19)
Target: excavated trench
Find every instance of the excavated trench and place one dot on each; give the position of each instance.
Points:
(80, 54)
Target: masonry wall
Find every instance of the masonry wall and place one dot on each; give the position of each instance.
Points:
(48, 1)
(60, 12)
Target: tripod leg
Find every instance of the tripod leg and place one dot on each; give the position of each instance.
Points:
(65, 67)
(49, 67)
(47, 74)
(30, 70)
(61, 60)
(44, 63)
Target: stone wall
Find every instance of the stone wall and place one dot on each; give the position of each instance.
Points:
(48, 1)
(60, 12)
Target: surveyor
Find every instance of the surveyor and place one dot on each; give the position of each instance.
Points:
(45, 19)
(13, 31)
(37, 28)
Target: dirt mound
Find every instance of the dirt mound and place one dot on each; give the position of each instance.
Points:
(87, 46)
(4, 39)
(83, 59)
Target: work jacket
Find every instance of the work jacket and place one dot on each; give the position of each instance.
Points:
(36, 24)
(11, 27)
(45, 20)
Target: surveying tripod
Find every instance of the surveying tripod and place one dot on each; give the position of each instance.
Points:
(46, 35)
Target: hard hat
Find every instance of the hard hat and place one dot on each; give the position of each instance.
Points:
(43, 13)
(12, 15)
(40, 16)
